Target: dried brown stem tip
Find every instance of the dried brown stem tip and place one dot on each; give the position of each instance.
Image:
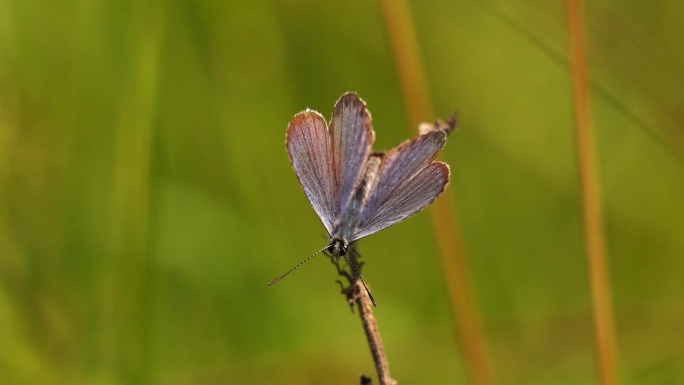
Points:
(358, 295)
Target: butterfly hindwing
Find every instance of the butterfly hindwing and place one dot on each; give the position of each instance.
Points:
(408, 180)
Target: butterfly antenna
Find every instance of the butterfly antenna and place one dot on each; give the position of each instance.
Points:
(358, 274)
(294, 268)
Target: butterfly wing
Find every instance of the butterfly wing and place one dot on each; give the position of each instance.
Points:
(408, 180)
(351, 137)
(308, 145)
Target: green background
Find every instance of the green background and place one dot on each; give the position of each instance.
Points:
(146, 197)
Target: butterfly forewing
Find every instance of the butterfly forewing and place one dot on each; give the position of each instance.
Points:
(399, 165)
(351, 137)
(406, 199)
(309, 148)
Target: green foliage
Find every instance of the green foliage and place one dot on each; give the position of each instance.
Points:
(146, 197)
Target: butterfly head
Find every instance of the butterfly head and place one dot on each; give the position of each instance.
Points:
(338, 248)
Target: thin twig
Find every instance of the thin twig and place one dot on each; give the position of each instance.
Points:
(356, 294)
(591, 202)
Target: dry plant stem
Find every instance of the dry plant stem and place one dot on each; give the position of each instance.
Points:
(591, 204)
(356, 295)
(468, 326)
(370, 326)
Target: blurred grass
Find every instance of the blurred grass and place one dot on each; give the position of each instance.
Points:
(467, 325)
(146, 198)
(592, 208)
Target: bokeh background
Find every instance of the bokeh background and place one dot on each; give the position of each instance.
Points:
(146, 197)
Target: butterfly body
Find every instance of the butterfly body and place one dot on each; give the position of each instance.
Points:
(345, 227)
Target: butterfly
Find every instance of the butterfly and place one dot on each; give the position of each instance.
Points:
(354, 191)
